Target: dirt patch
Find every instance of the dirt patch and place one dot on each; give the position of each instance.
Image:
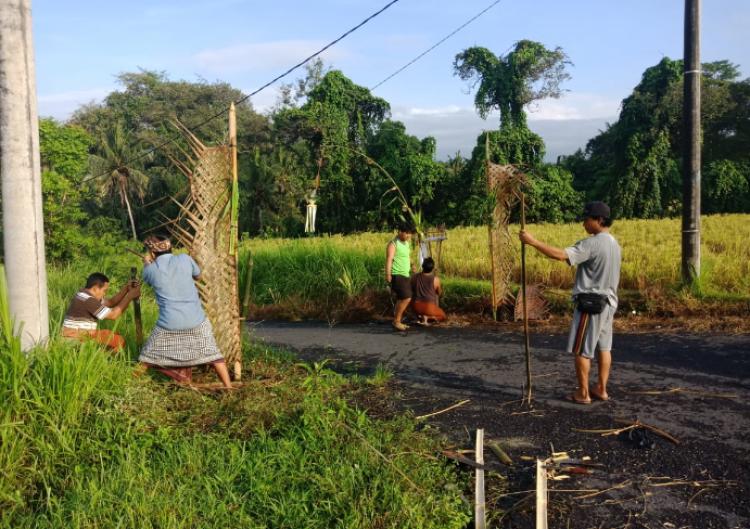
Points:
(636, 313)
(700, 483)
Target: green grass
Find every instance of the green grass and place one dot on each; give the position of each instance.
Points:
(85, 444)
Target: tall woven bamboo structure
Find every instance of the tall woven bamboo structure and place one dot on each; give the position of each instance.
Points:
(504, 184)
(206, 226)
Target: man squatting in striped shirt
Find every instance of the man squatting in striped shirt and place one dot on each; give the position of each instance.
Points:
(598, 258)
(89, 306)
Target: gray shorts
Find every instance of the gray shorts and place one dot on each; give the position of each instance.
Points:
(589, 331)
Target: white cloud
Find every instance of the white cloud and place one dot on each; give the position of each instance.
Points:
(263, 55)
(456, 129)
(266, 100)
(61, 105)
(438, 111)
(574, 106)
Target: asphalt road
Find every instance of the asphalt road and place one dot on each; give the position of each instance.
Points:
(709, 414)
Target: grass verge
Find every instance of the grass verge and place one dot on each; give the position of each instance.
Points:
(85, 444)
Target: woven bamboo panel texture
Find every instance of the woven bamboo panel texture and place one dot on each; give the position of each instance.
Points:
(204, 228)
(504, 184)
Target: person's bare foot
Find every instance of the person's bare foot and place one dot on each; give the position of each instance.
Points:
(577, 398)
(597, 394)
(399, 326)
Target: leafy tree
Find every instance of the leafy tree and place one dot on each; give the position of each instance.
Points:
(551, 197)
(635, 163)
(291, 94)
(272, 187)
(335, 124)
(727, 187)
(508, 83)
(64, 156)
(144, 108)
(411, 162)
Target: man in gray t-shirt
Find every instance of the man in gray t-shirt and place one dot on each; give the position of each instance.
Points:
(598, 259)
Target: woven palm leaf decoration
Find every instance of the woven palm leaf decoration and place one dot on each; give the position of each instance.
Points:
(504, 184)
(205, 228)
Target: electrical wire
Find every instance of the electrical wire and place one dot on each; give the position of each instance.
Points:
(248, 96)
(438, 43)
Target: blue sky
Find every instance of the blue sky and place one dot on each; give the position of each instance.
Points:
(82, 45)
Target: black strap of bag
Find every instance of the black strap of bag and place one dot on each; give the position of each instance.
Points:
(591, 303)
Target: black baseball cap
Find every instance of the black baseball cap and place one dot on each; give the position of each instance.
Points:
(596, 209)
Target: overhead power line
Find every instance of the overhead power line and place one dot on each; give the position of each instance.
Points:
(438, 43)
(245, 98)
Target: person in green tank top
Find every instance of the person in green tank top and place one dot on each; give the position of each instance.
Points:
(398, 273)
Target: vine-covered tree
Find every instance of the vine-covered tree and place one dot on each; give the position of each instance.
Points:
(330, 129)
(510, 82)
(635, 163)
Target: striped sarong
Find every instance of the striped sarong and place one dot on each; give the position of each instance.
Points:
(181, 348)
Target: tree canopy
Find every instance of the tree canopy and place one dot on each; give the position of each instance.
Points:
(635, 163)
(510, 82)
(325, 131)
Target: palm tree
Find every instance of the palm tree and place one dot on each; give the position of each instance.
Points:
(114, 169)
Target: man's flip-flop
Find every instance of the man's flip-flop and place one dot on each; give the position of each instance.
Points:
(573, 399)
(400, 327)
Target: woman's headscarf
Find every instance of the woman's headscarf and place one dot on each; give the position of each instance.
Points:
(157, 245)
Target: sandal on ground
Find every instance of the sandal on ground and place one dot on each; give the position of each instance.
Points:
(400, 326)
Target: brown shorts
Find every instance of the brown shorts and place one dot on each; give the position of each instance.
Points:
(426, 308)
(103, 336)
(401, 286)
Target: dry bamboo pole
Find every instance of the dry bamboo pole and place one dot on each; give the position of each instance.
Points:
(490, 190)
(480, 521)
(525, 306)
(247, 297)
(500, 453)
(233, 222)
(137, 311)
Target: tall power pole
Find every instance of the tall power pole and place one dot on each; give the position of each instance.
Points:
(691, 158)
(23, 234)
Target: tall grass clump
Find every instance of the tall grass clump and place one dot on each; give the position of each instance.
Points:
(324, 272)
(83, 443)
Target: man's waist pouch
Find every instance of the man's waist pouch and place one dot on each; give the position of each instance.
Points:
(591, 303)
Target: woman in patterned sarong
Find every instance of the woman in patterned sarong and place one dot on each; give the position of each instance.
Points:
(183, 337)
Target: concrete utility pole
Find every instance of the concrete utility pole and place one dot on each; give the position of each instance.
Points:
(691, 158)
(23, 234)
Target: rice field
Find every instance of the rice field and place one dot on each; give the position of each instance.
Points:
(329, 268)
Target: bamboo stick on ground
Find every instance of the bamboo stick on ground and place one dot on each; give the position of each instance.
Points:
(687, 391)
(541, 495)
(449, 408)
(480, 521)
(500, 453)
(630, 425)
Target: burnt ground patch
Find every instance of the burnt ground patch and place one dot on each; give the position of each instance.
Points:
(701, 483)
